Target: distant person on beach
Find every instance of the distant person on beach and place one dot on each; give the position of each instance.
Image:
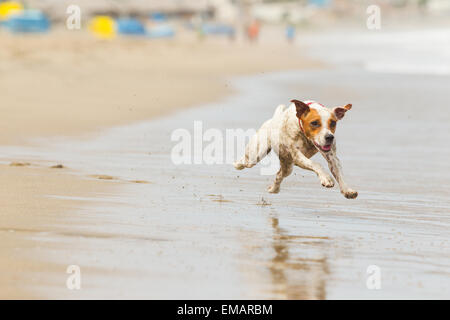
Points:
(232, 34)
(253, 31)
(290, 33)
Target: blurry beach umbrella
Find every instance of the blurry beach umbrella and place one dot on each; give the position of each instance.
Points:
(158, 17)
(28, 21)
(9, 8)
(217, 29)
(320, 3)
(290, 33)
(161, 31)
(103, 27)
(130, 26)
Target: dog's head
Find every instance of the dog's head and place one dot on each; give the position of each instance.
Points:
(319, 123)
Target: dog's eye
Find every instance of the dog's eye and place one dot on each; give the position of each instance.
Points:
(332, 124)
(315, 124)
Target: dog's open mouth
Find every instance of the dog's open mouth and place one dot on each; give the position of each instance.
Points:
(324, 148)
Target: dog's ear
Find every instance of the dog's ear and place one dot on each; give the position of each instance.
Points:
(339, 112)
(302, 108)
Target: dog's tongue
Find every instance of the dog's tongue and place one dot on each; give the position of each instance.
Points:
(326, 148)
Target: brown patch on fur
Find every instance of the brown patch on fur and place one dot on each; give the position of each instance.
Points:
(339, 112)
(311, 116)
(301, 107)
(332, 118)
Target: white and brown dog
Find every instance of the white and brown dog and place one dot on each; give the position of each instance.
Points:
(296, 134)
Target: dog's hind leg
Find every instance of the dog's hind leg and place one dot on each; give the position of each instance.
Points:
(258, 147)
(286, 167)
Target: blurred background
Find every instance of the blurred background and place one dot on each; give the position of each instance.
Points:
(87, 49)
(212, 17)
(85, 148)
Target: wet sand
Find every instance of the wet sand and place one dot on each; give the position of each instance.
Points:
(208, 231)
(31, 207)
(202, 231)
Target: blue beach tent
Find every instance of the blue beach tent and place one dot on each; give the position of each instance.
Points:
(28, 21)
(217, 29)
(130, 26)
(320, 3)
(158, 17)
(161, 31)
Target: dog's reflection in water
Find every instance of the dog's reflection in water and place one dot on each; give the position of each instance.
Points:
(299, 265)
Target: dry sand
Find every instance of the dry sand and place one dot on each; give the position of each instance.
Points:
(71, 84)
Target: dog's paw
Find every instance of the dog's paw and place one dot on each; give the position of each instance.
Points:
(273, 189)
(239, 166)
(350, 194)
(327, 181)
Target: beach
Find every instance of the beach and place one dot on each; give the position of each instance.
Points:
(73, 85)
(96, 83)
(140, 226)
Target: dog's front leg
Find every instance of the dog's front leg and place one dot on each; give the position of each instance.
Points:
(305, 163)
(336, 169)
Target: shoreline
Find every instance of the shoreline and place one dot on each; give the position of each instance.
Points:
(39, 79)
(192, 224)
(100, 84)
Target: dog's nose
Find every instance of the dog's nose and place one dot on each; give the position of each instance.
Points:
(329, 138)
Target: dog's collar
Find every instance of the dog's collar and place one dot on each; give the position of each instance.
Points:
(300, 121)
(314, 102)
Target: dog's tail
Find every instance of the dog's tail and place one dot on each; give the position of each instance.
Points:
(279, 110)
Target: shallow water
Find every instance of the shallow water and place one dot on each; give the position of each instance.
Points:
(208, 231)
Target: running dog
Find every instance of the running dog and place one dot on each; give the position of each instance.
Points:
(296, 134)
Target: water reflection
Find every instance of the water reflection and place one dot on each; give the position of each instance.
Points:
(299, 266)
